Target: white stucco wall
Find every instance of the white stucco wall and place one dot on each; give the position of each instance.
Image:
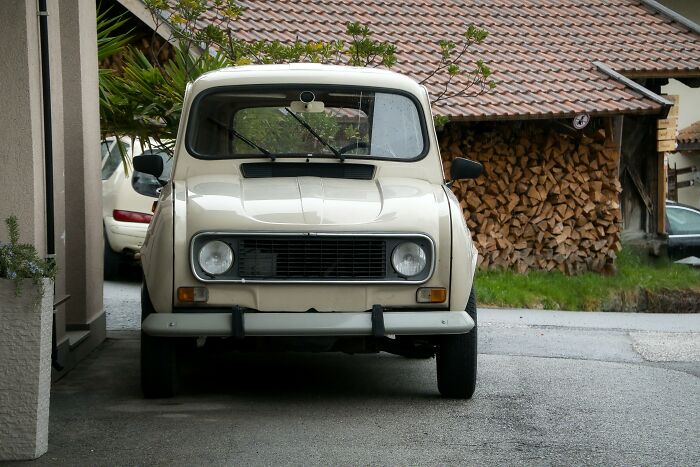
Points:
(689, 109)
(688, 113)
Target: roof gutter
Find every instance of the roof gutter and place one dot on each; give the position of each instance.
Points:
(654, 5)
(666, 104)
(138, 9)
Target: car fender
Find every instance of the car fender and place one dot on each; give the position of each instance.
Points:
(157, 254)
(464, 256)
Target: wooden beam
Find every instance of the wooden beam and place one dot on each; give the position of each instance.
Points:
(663, 134)
(683, 171)
(661, 74)
(668, 123)
(667, 128)
(688, 147)
(549, 116)
(669, 145)
(661, 192)
(640, 188)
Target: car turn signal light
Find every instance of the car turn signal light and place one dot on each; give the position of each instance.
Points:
(192, 294)
(431, 295)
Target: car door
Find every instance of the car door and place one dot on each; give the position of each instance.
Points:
(684, 232)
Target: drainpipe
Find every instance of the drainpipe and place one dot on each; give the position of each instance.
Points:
(48, 140)
(48, 158)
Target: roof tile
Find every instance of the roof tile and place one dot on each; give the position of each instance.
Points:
(690, 134)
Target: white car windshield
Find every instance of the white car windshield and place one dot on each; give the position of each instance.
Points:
(308, 121)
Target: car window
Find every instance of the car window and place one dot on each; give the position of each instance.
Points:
(147, 184)
(682, 221)
(356, 122)
(111, 159)
(104, 148)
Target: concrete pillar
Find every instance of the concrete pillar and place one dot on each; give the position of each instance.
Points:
(83, 195)
(21, 150)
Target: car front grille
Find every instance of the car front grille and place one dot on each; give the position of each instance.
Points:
(312, 258)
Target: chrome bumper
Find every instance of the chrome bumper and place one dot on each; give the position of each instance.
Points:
(307, 324)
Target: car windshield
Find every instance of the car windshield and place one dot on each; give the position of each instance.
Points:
(306, 122)
(111, 157)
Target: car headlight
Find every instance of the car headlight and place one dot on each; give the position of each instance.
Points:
(215, 257)
(408, 259)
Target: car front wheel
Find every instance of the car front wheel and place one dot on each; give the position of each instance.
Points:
(159, 375)
(456, 360)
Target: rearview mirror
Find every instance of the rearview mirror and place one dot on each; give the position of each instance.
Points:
(150, 164)
(146, 184)
(307, 107)
(465, 168)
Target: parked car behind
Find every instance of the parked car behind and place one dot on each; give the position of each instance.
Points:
(683, 224)
(127, 201)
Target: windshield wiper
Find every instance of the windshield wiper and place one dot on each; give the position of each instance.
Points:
(316, 135)
(243, 138)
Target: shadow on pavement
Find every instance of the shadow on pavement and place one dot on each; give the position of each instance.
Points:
(128, 272)
(113, 371)
(307, 375)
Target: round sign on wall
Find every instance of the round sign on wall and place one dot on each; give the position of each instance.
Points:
(581, 120)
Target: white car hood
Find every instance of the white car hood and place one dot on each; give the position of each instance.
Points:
(312, 204)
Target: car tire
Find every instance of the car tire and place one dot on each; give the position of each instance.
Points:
(456, 360)
(112, 261)
(159, 369)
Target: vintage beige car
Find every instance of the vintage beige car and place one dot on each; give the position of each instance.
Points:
(307, 209)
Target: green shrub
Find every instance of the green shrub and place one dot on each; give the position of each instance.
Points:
(19, 261)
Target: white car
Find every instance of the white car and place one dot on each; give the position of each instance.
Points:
(127, 202)
(308, 209)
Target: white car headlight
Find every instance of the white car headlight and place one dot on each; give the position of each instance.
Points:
(408, 259)
(215, 257)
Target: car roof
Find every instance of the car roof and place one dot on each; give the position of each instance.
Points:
(307, 73)
(134, 146)
(680, 205)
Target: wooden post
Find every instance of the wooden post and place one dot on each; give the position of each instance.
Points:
(661, 218)
(665, 141)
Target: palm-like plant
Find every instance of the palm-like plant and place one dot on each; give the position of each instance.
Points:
(145, 101)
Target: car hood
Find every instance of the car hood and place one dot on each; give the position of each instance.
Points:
(312, 204)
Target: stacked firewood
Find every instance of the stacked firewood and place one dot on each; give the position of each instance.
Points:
(547, 200)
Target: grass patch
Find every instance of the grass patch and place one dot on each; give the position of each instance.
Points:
(589, 291)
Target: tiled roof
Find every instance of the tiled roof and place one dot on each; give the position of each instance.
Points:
(541, 51)
(689, 134)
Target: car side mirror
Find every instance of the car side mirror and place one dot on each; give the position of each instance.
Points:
(462, 168)
(149, 164)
